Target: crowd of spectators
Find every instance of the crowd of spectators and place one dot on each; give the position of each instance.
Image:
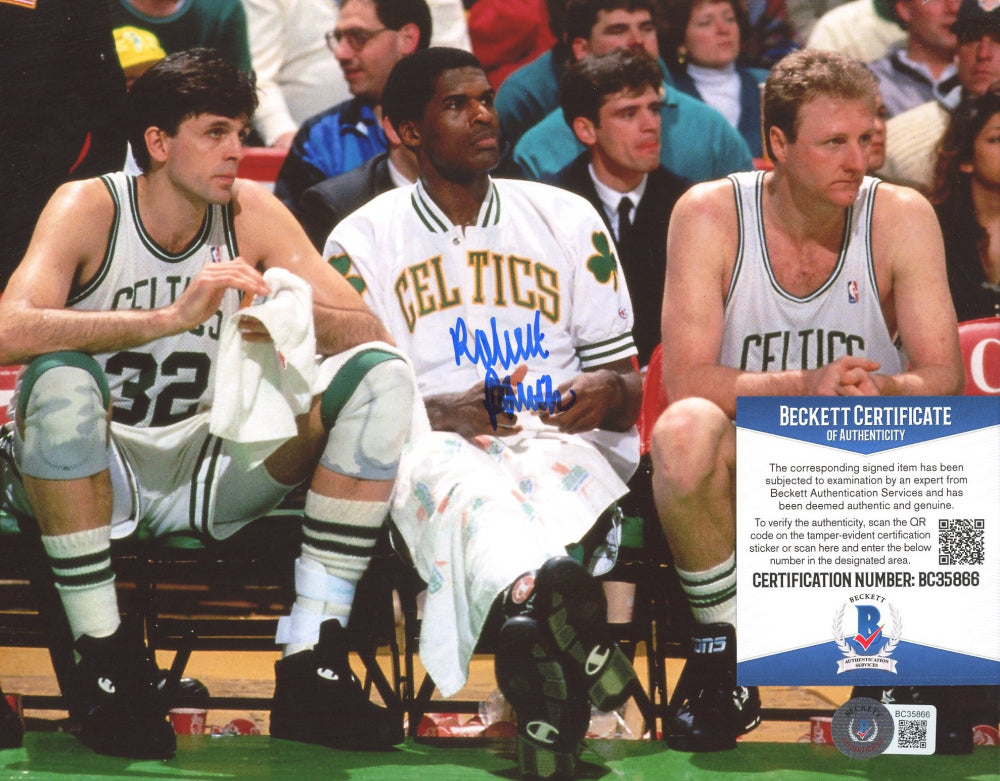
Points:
(319, 91)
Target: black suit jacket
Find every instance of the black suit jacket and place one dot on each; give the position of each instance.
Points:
(643, 254)
(325, 204)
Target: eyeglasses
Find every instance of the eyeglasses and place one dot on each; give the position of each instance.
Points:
(356, 38)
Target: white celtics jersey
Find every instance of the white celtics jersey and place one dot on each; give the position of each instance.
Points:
(768, 329)
(535, 281)
(172, 378)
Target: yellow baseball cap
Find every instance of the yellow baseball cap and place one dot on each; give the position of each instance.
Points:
(137, 47)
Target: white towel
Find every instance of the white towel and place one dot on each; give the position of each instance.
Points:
(260, 387)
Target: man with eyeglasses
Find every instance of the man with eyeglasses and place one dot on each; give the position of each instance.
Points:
(370, 37)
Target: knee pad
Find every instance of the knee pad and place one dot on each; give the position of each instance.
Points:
(62, 402)
(367, 408)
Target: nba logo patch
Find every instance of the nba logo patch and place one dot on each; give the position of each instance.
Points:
(216, 254)
(852, 292)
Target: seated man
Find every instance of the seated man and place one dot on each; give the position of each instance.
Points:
(462, 268)
(764, 253)
(580, 27)
(912, 137)
(923, 69)
(698, 143)
(370, 37)
(123, 308)
(612, 103)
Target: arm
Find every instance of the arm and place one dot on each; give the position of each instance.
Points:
(269, 236)
(67, 247)
(909, 252)
(448, 26)
(607, 397)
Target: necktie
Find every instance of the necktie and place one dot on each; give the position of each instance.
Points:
(624, 218)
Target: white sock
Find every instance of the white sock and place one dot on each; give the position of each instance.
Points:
(712, 592)
(81, 565)
(339, 535)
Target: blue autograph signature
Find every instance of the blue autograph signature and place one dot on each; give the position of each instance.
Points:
(502, 397)
(490, 349)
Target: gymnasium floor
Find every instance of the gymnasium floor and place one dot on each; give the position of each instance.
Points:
(773, 751)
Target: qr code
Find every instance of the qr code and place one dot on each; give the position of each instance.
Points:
(911, 733)
(961, 541)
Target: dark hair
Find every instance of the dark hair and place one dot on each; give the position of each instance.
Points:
(556, 10)
(395, 14)
(588, 82)
(677, 15)
(186, 84)
(956, 146)
(803, 75)
(413, 79)
(581, 15)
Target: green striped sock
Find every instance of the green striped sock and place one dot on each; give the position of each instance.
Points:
(81, 565)
(712, 592)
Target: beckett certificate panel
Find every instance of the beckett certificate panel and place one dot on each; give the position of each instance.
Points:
(868, 541)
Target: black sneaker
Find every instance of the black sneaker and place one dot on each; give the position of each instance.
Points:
(552, 711)
(571, 611)
(114, 697)
(713, 710)
(11, 726)
(317, 699)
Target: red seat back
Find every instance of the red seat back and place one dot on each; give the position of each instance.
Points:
(261, 164)
(8, 374)
(654, 399)
(980, 342)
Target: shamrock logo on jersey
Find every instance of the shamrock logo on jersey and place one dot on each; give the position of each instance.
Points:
(603, 265)
(342, 263)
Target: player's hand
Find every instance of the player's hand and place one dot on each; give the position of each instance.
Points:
(847, 376)
(583, 402)
(477, 411)
(203, 296)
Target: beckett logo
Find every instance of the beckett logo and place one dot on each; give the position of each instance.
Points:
(864, 637)
(862, 728)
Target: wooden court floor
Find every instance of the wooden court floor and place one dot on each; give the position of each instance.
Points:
(776, 750)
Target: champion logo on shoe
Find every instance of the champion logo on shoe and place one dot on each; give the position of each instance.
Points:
(597, 658)
(542, 732)
(327, 673)
(106, 685)
(523, 588)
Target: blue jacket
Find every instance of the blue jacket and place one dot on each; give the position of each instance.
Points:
(749, 126)
(331, 143)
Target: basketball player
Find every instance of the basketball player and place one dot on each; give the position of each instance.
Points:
(117, 309)
(795, 282)
(510, 300)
